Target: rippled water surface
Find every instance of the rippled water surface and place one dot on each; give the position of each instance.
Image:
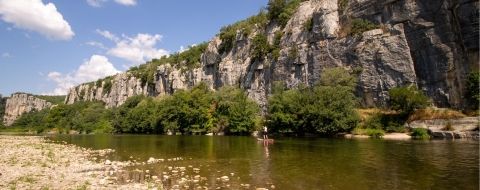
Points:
(296, 163)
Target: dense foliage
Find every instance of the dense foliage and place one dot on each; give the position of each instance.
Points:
(198, 110)
(473, 85)
(282, 10)
(420, 133)
(407, 99)
(3, 101)
(84, 117)
(260, 47)
(325, 109)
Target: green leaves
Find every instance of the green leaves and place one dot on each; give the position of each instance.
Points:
(325, 109)
(407, 99)
(358, 26)
(282, 10)
(188, 111)
(473, 85)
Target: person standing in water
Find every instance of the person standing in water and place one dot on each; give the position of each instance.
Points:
(265, 131)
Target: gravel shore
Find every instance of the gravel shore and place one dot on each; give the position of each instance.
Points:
(29, 162)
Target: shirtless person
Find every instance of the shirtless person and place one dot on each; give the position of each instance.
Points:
(265, 131)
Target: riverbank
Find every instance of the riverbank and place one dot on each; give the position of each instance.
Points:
(31, 162)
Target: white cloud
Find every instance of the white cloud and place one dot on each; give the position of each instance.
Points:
(96, 3)
(138, 49)
(97, 67)
(6, 55)
(96, 44)
(107, 34)
(183, 49)
(35, 16)
(127, 2)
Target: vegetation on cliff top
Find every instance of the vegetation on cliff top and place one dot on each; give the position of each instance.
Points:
(56, 100)
(279, 11)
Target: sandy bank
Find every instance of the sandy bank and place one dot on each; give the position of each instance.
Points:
(389, 136)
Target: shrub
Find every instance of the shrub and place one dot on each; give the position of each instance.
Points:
(277, 39)
(260, 47)
(228, 33)
(282, 10)
(308, 26)
(358, 26)
(420, 133)
(407, 99)
(337, 77)
(107, 85)
(473, 92)
(342, 5)
(293, 53)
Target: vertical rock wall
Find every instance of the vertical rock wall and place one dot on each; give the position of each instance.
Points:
(432, 44)
(21, 103)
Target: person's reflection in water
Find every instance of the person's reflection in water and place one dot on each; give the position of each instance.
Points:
(265, 147)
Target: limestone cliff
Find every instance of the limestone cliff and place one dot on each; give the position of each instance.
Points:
(20, 103)
(432, 44)
(114, 90)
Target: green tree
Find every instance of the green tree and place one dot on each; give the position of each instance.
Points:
(326, 109)
(407, 99)
(234, 111)
(473, 85)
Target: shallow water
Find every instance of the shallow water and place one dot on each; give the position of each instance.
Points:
(305, 163)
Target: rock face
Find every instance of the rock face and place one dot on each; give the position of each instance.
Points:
(113, 91)
(21, 103)
(461, 128)
(432, 44)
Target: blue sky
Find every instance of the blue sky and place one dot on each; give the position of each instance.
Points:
(49, 45)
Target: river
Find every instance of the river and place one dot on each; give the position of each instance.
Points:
(304, 163)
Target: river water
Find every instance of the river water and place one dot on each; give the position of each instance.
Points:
(304, 163)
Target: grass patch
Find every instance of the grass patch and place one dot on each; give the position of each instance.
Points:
(374, 133)
(433, 113)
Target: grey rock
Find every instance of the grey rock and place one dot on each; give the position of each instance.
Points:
(20, 103)
(431, 44)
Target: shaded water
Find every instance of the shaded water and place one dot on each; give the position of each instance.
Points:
(305, 163)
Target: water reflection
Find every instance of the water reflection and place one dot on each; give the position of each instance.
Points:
(293, 163)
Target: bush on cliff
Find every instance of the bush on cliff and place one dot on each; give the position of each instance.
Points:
(282, 10)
